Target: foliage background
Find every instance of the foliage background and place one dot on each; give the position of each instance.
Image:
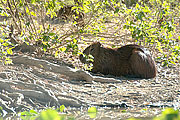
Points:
(153, 23)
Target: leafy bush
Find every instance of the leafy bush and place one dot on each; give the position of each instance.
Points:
(153, 23)
(5, 45)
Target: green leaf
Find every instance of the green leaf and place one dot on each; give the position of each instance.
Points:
(123, 111)
(56, 53)
(49, 115)
(63, 49)
(172, 62)
(5, 44)
(92, 115)
(86, 9)
(25, 113)
(92, 110)
(160, 50)
(28, 23)
(153, 36)
(51, 34)
(1, 40)
(74, 40)
(74, 23)
(33, 111)
(32, 1)
(9, 51)
(7, 8)
(102, 38)
(45, 48)
(33, 13)
(116, 10)
(62, 107)
(169, 114)
(27, 10)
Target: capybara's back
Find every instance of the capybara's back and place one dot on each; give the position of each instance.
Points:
(140, 60)
(130, 60)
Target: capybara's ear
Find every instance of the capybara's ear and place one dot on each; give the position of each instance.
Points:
(99, 44)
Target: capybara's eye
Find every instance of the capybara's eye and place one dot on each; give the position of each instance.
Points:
(92, 49)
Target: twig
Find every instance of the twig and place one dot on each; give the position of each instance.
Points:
(13, 15)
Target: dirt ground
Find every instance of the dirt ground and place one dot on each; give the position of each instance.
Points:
(25, 87)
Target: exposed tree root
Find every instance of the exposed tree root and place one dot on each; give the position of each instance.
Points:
(16, 92)
(21, 89)
(73, 74)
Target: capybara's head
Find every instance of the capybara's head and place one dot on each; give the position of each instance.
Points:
(93, 50)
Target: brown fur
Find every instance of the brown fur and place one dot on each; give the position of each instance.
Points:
(67, 13)
(130, 60)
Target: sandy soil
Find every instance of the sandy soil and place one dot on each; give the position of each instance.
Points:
(140, 98)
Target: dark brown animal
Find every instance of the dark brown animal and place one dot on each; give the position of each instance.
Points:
(68, 13)
(130, 60)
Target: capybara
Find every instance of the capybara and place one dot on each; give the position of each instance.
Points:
(68, 12)
(130, 60)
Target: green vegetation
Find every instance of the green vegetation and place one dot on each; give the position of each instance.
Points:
(50, 114)
(167, 114)
(155, 27)
(151, 23)
(5, 46)
(26, 115)
(60, 114)
(92, 111)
